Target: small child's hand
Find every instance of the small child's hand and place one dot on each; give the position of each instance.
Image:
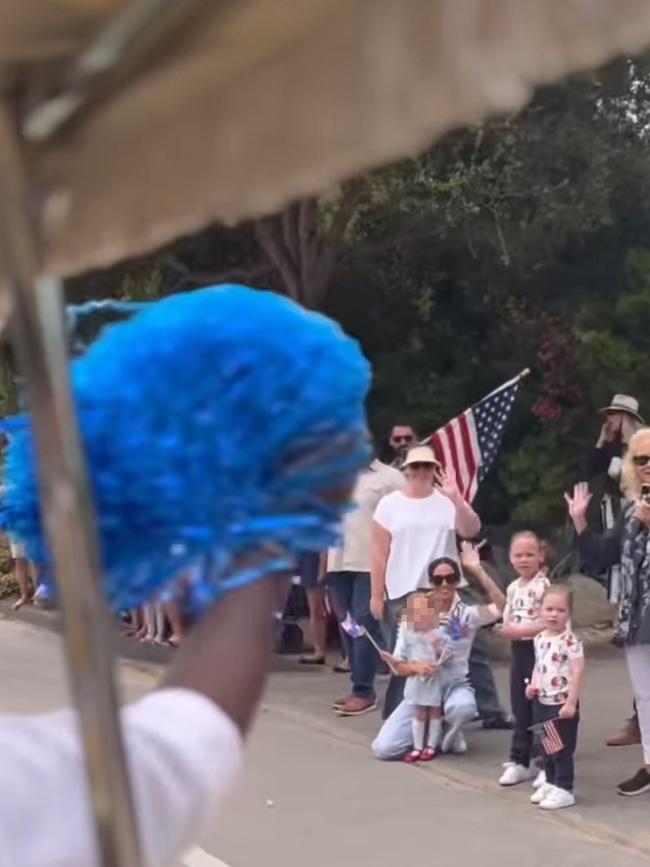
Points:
(424, 669)
(532, 692)
(568, 710)
(508, 631)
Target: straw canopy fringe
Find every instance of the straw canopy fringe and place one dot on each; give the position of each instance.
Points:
(255, 102)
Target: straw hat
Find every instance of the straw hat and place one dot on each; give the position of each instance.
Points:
(624, 403)
(420, 455)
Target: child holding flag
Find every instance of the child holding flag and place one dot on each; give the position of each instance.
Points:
(555, 689)
(420, 650)
(521, 624)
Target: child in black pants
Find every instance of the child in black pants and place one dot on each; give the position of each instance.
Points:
(555, 689)
(521, 624)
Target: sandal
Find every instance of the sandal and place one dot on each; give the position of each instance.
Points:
(24, 600)
(413, 756)
(428, 754)
(312, 659)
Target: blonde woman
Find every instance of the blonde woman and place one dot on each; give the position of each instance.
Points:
(627, 545)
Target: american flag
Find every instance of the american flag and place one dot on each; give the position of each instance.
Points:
(353, 629)
(469, 443)
(549, 737)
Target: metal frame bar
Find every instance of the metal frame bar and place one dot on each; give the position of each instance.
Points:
(38, 333)
(138, 25)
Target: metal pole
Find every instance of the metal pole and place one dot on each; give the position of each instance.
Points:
(38, 335)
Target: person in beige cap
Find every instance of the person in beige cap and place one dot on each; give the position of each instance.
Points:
(412, 528)
(622, 420)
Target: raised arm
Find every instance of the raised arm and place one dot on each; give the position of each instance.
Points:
(468, 523)
(183, 745)
(471, 562)
(598, 552)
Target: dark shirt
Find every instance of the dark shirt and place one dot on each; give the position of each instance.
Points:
(602, 551)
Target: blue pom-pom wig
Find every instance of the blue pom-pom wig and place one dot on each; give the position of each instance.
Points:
(214, 425)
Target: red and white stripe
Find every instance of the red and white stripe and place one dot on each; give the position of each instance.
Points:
(551, 742)
(456, 447)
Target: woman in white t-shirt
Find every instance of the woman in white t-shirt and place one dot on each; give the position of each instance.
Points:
(411, 528)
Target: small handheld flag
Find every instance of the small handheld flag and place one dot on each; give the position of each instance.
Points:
(549, 737)
(356, 630)
(353, 629)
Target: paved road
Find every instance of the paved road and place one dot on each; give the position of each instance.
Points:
(312, 795)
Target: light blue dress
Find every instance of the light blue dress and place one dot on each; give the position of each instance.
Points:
(430, 645)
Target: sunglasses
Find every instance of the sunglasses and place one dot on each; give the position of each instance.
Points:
(420, 465)
(408, 438)
(450, 579)
(640, 460)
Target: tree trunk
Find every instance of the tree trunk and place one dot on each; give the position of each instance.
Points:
(303, 248)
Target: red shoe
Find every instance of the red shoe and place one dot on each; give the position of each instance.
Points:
(428, 754)
(412, 757)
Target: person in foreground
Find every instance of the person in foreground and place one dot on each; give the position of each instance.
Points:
(459, 623)
(263, 479)
(627, 544)
(177, 780)
(555, 693)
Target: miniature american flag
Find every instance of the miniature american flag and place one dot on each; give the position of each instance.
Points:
(550, 739)
(468, 444)
(353, 629)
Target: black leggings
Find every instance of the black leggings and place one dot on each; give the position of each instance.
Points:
(559, 767)
(521, 672)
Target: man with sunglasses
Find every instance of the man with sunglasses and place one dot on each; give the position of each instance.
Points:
(402, 438)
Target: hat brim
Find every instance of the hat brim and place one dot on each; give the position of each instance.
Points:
(626, 410)
(410, 463)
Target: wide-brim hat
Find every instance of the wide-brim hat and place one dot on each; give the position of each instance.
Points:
(421, 455)
(624, 403)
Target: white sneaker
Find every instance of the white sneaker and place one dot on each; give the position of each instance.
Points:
(558, 799)
(454, 741)
(459, 745)
(540, 794)
(515, 774)
(540, 780)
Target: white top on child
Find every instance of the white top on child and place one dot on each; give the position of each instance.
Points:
(416, 645)
(424, 645)
(524, 600)
(553, 656)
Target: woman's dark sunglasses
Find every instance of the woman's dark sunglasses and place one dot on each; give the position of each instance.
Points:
(640, 460)
(420, 465)
(451, 578)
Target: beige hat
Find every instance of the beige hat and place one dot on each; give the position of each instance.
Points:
(421, 455)
(624, 403)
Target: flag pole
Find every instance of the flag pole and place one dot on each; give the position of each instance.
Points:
(378, 648)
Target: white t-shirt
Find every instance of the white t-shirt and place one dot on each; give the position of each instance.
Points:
(553, 657)
(524, 600)
(421, 529)
(184, 755)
